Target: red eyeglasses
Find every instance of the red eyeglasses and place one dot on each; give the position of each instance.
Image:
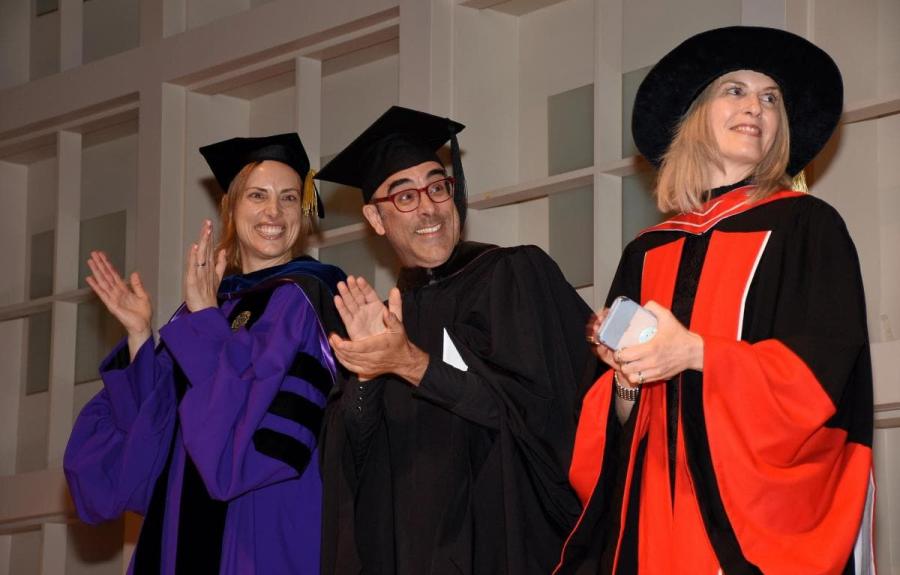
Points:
(407, 200)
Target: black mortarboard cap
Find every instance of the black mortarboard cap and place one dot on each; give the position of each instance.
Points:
(401, 138)
(228, 157)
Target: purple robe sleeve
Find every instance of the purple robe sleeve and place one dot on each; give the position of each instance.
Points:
(121, 439)
(252, 414)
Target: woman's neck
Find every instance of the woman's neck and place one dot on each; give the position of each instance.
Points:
(728, 175)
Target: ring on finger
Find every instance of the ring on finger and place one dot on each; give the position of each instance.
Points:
(640, 378)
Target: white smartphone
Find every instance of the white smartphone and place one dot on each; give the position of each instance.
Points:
(627, 324)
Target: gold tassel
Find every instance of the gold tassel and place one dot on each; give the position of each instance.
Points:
(798, 184)
(310, 205)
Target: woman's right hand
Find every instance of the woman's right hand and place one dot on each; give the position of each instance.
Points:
(128, 303)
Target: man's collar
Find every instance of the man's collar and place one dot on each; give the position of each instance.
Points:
(463, 254)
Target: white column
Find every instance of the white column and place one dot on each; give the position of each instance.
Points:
(53, 549)
(426, 55)
(68, 217)
(160, 205)
(5, 547)
(62, 338)
(308, 111)
(71, 30)
(609, 22)
(308, 114)
(14, 238)
(886, 447)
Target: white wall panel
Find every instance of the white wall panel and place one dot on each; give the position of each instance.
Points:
(44, 45)
(13, 231)
(110, 27)
(273, 113)
(11, 342)
(888, 151)
(109, 177)
(653, 27)
(888, 33)
(555, 54)
(353, 98)
(485, 96)
(846, 30)
(15, 27)
(31, 452)
(42, 196)
(497, 226)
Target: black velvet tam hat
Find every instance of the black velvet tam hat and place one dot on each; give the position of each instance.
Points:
(809, 80)
(401, 138)
(228, 157)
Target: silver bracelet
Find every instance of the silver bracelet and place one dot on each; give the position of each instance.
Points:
(624, 392)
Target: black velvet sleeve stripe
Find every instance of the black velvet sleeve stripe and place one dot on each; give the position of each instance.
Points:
(283, 448)
(121, 360)
(299, 409)
(308, 368)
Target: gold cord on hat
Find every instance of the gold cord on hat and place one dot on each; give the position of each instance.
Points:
(798, 183)
(309, 205)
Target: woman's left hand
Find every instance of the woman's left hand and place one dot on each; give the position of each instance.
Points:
(672, 350)
(202, 273)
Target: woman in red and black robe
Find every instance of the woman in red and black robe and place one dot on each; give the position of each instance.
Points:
(738, 440)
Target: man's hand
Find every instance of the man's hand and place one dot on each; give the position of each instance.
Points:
(388, 351)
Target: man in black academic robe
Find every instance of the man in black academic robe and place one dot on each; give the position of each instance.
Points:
(449, 452)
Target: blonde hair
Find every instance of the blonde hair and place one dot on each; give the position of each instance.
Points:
(682, 184)
(228, 238)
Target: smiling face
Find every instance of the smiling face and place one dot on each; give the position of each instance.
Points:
(744, 116)
(267, 217)
(424, 237)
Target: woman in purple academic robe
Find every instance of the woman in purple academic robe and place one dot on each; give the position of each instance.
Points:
(212, 433)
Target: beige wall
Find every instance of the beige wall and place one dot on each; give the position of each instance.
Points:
(162, 77)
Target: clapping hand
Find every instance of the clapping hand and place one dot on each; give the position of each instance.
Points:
(129, 303)
(202, 275)
(360, 308)
(378, 343)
